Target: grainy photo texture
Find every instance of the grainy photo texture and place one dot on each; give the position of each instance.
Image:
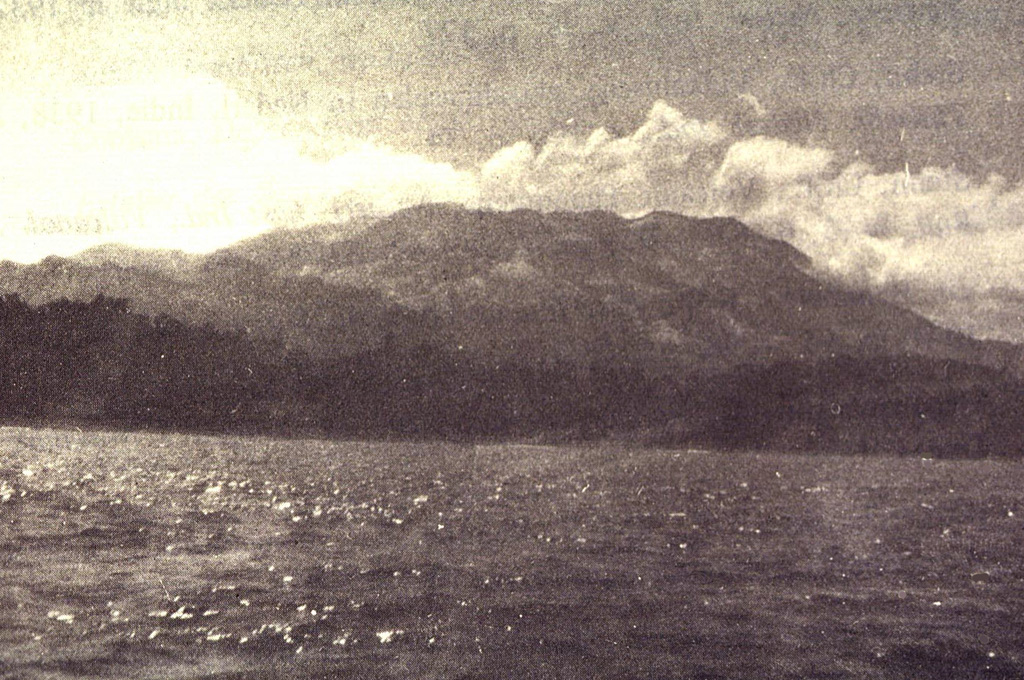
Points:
(511, 339)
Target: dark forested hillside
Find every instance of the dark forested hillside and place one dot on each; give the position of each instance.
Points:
(97, 361)
(100, 363)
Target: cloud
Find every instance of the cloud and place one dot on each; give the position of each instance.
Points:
(182, 161)
(670, 162)
(662, 162)
(111, 131)
(756, 169)
(934, 228)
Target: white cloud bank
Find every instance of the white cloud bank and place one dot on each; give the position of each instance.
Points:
(181, 161)
(662, 163)
(934, 228)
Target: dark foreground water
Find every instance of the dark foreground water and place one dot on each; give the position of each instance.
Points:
(172, 556)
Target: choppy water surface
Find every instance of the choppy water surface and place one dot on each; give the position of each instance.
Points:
(173, 556)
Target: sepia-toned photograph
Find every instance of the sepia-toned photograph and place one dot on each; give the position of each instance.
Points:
(508, 339)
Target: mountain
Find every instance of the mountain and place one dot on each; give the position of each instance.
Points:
(171, 262)
(296, 251)
(663, 293)
(229, 293)
(439, 320)
(663, 290)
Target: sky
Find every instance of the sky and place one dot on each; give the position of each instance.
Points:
(881, 137)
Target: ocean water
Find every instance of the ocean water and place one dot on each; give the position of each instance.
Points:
(178, 556)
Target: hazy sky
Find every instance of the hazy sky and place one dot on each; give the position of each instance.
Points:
(883, 137)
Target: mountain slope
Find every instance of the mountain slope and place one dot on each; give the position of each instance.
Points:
(228, 293)
(169, 262)
(662, 290)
